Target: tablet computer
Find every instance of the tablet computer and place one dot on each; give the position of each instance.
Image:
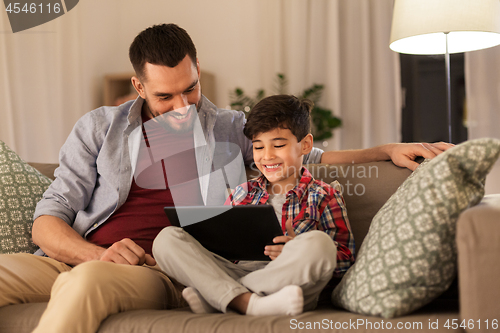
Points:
(233, 232)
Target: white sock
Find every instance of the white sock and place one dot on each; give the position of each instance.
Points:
(287, 301)
(196, 302)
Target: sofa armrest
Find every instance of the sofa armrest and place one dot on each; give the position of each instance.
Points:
(46, 169)
(478, 246)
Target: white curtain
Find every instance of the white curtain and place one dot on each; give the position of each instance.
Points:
(345, 46)
(40, 87)
(52, 74)
(482, 80)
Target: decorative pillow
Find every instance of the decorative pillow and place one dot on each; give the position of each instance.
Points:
(21, 187)
(408, 257)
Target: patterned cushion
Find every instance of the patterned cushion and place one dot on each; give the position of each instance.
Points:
(409, 256)
(21, 187)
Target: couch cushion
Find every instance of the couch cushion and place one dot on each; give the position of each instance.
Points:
(23, 318)
(409, 255)
(46, 169)
(21, 187)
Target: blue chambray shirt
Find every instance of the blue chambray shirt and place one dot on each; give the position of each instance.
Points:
(97, 162)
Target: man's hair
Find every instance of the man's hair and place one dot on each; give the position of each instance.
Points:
(165, 44)
(280, 111)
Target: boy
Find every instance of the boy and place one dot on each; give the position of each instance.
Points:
(318, 239)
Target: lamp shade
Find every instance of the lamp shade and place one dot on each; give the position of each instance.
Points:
(419, 26)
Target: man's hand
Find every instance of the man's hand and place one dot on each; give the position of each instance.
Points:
(127, 252)
(401, 154)
(273, 251)
(404, 154)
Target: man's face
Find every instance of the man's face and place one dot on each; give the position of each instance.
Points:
(169, 92)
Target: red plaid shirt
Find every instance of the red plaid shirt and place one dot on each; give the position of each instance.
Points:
(313, 205)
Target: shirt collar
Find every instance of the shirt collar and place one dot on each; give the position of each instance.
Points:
(305, 179)
(207, 113)
(135, 110)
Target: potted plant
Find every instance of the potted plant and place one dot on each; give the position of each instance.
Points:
(323, 121)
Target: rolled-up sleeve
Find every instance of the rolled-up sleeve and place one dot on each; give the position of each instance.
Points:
(76, 175)
(314, 157)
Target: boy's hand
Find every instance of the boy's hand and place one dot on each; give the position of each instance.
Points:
(273, 251)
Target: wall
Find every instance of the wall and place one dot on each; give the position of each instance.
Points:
(98, 34)
(52, 74)
(221, 30)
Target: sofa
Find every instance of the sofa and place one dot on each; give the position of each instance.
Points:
(470, 303)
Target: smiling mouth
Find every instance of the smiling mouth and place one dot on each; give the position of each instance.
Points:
(180, 116)
(272, 166)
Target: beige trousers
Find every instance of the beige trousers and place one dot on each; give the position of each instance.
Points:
(81, 297)
(307, 261)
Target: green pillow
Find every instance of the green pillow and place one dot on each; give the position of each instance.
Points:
(21, 187)
(409, 255)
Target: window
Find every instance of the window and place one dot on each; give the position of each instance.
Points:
(424, 110)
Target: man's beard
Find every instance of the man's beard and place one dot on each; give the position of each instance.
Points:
(176, 121)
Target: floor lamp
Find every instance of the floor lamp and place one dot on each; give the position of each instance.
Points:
(445, 27)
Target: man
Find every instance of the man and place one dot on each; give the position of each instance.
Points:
(96, 215)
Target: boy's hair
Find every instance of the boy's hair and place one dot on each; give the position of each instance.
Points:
(280, 111)
(165, 44)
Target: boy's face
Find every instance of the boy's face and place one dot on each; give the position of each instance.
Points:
(278, 156)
